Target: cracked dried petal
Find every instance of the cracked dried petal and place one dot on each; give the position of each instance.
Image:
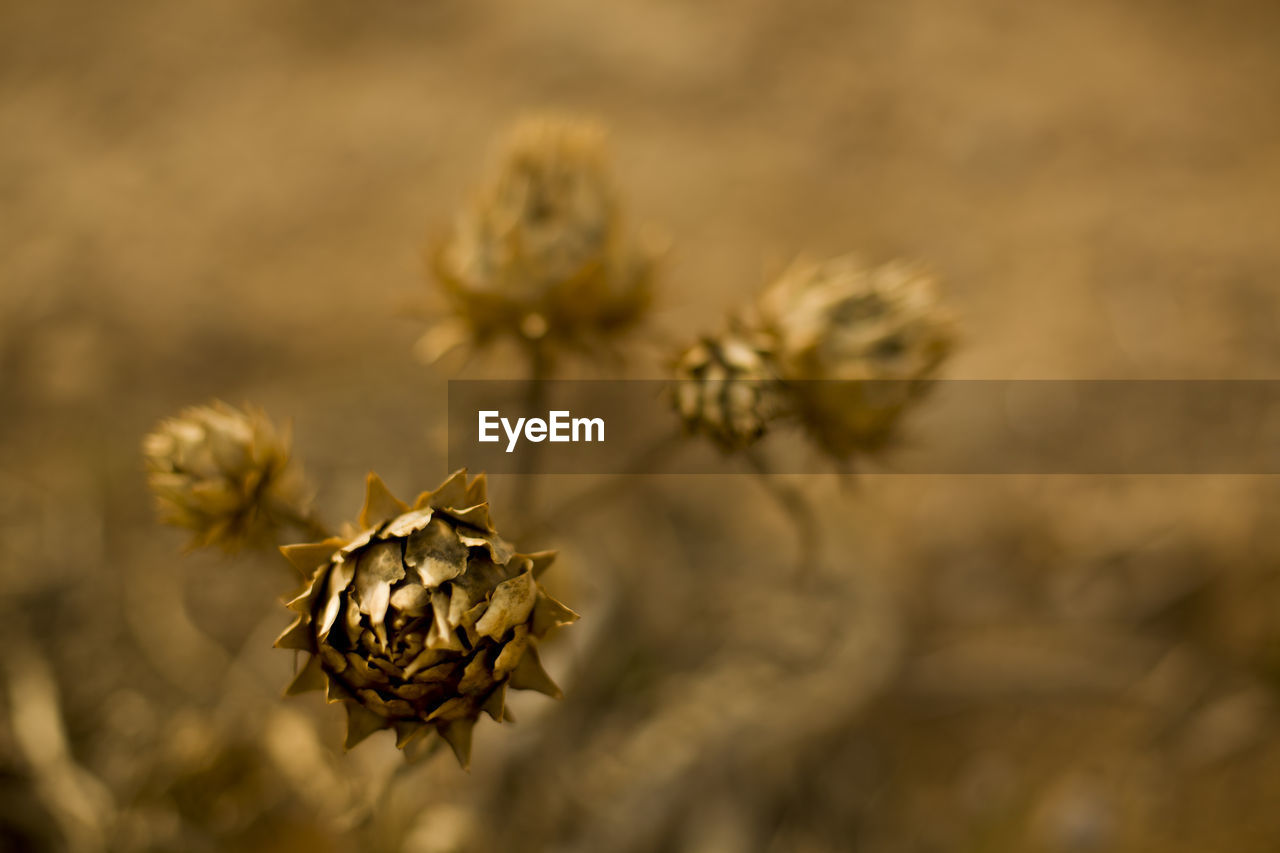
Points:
(438, 617)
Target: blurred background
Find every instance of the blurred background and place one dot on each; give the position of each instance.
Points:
(233, 199)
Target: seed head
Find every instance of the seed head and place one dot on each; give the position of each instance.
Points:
(422, 619)
(727, 389)
(856, 347)
(544, 253)
(224, 474)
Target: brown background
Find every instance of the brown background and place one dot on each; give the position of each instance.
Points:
(232, 199)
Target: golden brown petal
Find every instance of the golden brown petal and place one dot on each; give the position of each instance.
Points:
(379, 504)
(309, 556)
(529, 675)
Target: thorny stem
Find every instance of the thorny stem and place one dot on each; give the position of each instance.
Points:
(796, 504)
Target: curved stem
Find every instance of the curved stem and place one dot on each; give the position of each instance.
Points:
(648, 461)
(797, 506)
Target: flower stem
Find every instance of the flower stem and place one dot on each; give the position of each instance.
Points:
(651, 460)
(535, 402)
(798, 508)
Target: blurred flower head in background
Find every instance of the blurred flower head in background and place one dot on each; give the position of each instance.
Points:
(545, 252)
(855, 345)
(727, 389)
(224, 474)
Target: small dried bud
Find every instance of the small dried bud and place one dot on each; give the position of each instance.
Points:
(224, 474)
(544, 253)
(856, 346)
(727, 390)
(424, 618)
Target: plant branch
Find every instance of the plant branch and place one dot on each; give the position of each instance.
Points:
(797, 507)
(540, 370)
(648, 461)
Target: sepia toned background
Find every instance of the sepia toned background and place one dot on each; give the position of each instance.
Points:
(233, 199)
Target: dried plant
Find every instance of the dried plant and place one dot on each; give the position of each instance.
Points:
(544, 255)
(767, 661)
(844, 349)
(417, 620)
(727, 389)
(856, 347)
(225, 474)
(422, 619)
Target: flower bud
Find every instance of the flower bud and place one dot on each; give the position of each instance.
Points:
(421, 620)
(727, 390)
(856, 347)
(544, 253)
(224, 474)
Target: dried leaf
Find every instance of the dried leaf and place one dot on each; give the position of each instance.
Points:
(451, 493)
(361, 722)
(474, 516)
(496, 703)
(549, 613)
(379, 566)
(296, 636)
(306, 558)
(511, 605)
(411, 598)
(529, 675)
(512, 652)
(379, 504)
(310, 677)
(436, 553)
(458, 735)
(541, 560)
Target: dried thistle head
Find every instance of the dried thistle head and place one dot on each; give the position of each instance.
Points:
(727, 389)
(544, 253)
(856, 346)
(422, 619)
(224, 474)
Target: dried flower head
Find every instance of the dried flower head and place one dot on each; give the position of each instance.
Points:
(544, 253)
(856, 346)
(422, 619)
(727, 389)
(224, 474)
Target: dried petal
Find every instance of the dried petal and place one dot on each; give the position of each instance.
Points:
(511, 605)
(436, 553)
(549, 613)
(379, 503)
